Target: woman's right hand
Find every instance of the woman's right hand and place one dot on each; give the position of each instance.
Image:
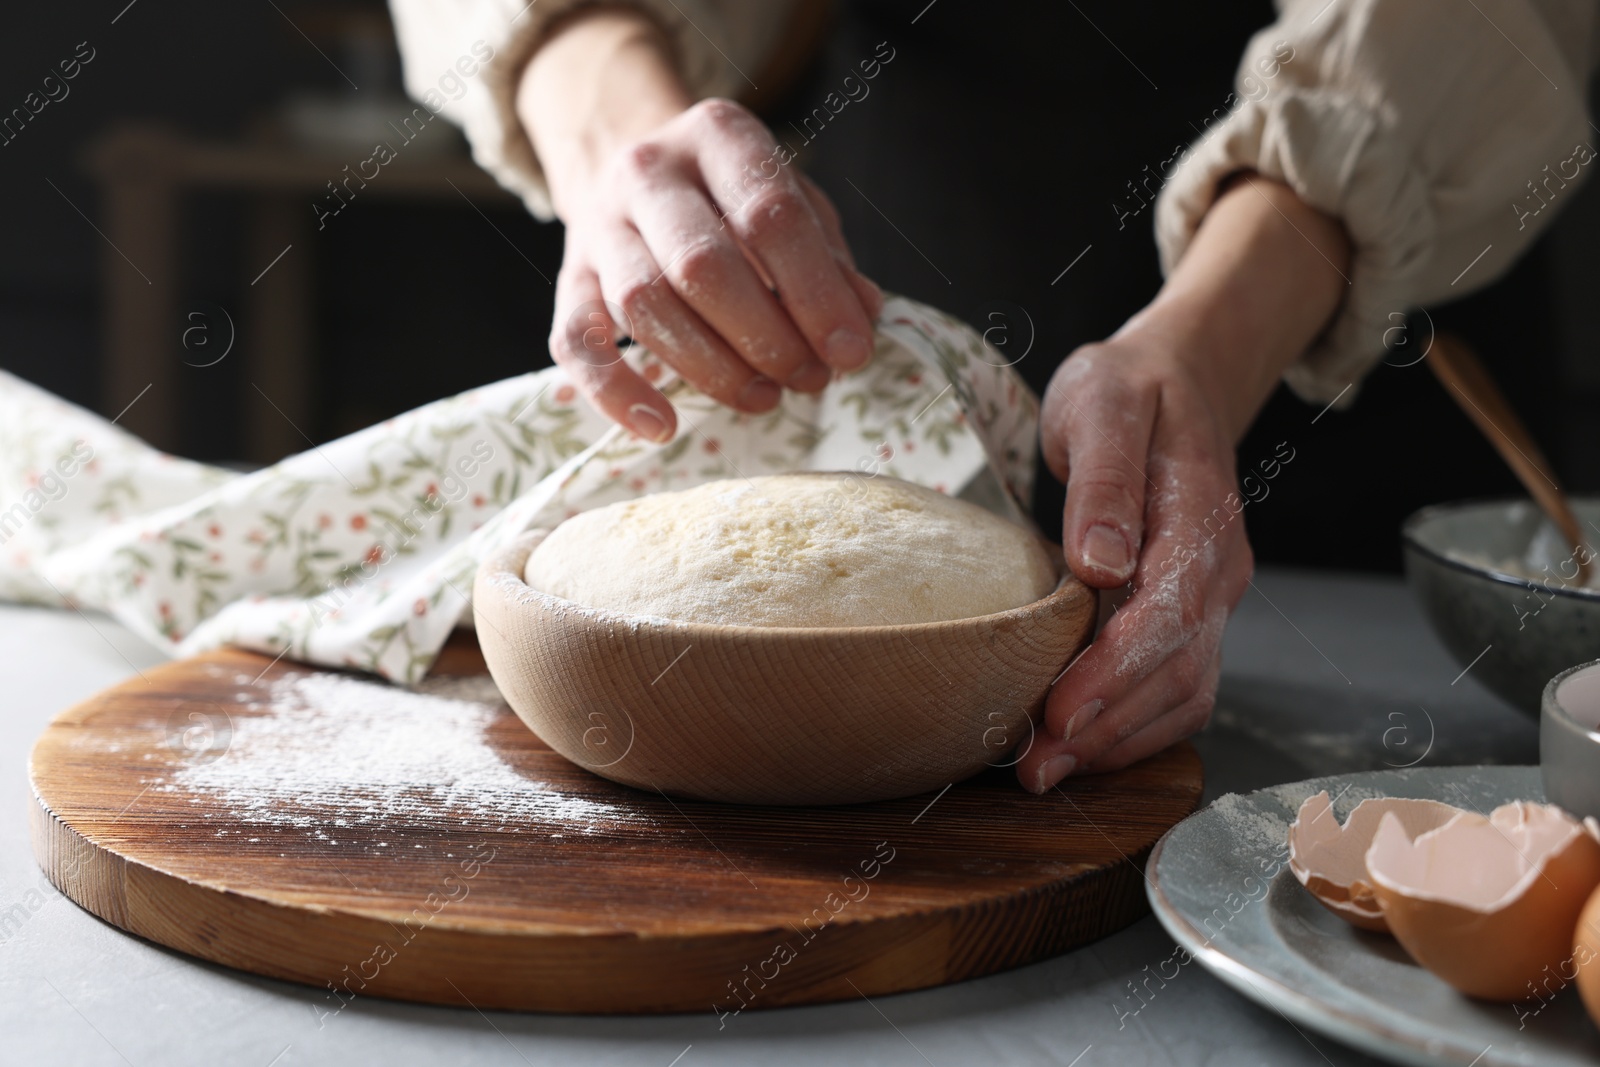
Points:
(688, 230)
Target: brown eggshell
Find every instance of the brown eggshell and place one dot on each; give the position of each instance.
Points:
(1331, 860)
(1487, 904)
(1586, 953)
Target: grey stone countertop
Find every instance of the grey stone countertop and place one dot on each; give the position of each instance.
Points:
(1323, 674)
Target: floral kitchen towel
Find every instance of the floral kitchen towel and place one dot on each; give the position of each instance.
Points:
(360, 553)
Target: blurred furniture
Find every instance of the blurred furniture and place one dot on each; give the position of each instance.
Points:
(144, 172)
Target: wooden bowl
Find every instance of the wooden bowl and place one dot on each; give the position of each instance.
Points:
(774, 715)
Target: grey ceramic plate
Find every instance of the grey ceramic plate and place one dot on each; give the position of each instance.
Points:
(1219, 883)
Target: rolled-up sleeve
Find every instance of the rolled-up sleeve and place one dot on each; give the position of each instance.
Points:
(1444, 134)
(716, 42)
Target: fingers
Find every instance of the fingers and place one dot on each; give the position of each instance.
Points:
(583, 340)
(659, 319)
(1165, 613)
(1238, 566)
(701, 243)
(1105, 430)
(1157, 657)
(828, 218)
(1094, 730)
(774, 218)
(1161, 618)
(1177, 681)
(866, 289)
(1183, 721)
(711, 275)
(1187, 583)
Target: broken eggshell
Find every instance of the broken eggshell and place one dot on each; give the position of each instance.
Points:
(1586, 954)
(1331, 860)
(1487, 904)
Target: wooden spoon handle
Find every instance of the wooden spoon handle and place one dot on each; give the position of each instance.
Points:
(1466, 379)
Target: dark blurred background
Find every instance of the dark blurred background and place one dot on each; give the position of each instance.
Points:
(986, 158)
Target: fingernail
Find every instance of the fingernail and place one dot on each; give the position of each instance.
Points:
(847, 350)
(1107, 549)
(1052, 771)
(810, 378)
(760, 394)
(1081, 718)
(647, 423)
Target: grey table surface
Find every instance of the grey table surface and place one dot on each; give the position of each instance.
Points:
(1323, 674)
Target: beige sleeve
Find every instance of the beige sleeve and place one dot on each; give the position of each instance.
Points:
(720, 45)
(1444, 134)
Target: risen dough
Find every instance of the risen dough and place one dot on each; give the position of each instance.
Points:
(794, 550)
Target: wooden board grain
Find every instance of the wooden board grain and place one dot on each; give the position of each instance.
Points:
(566, 892)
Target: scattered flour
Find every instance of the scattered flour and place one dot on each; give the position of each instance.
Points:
(1256, 830)
(473, 688)
(334, 751)
(1253, 822)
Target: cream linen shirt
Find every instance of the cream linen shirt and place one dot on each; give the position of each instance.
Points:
(1437, 130)
(720, 45)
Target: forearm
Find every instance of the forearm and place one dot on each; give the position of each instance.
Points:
(1261, 279)
(603, 79)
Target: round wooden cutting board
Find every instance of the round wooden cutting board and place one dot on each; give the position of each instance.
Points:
(373, 841)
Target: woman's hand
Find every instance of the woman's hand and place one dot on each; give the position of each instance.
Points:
(1142, 428)
(740, 281)
(689, 230)
(1151, 497)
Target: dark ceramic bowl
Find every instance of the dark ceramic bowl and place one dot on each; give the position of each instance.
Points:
(1515, 632)
(1569, 740)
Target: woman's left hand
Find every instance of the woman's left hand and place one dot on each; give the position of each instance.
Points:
(1142, 428)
